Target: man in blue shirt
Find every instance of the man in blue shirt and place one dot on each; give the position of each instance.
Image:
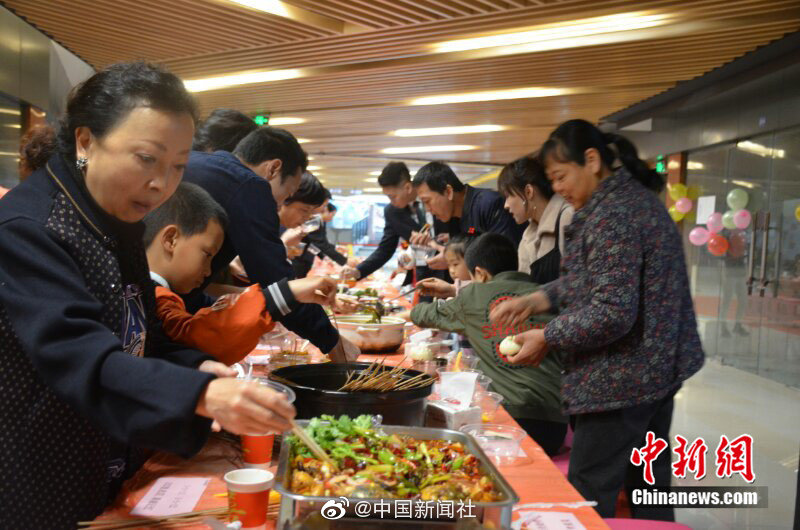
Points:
(250, 183)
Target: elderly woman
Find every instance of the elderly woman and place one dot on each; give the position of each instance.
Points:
(529, 197)
(87, 380)
(627, 325)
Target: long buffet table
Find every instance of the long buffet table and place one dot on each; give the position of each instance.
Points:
(535, 478)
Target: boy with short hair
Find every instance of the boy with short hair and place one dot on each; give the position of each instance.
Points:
(182, 236)
(532, 394)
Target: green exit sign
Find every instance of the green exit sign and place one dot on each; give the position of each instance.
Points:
(261, 119)
(661, 167)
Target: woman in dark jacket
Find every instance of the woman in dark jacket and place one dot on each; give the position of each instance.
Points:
(87, 382)
(626, 325)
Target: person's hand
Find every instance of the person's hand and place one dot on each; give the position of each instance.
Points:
(217, 368)
(405, 315)
(437, 262)
(534, 348)
(314, 290)
(350, 273)
(437, 287)
(345, 304)
(420, 238)
(443, 239)
(353, 262)
(344, 351)
(292, 236)
(293, 252)
(245, 407)
(237, 269)
(514, 312)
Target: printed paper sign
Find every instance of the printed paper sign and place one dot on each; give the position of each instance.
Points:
(705, 207)
(547, 521)
(171, 496)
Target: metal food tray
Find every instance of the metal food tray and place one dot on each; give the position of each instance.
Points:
(303, 511)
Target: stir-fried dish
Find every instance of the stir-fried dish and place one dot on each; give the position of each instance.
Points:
(372, 464)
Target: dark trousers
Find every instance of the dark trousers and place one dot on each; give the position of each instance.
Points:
(548, 434)
(599, 464)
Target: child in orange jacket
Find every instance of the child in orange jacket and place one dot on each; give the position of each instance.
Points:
(182, 236)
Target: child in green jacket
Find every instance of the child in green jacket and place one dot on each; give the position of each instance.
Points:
(531, 393)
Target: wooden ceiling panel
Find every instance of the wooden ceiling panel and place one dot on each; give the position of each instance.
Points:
(359, 69)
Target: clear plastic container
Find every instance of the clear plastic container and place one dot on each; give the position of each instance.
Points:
(501, 443)
(489, 402)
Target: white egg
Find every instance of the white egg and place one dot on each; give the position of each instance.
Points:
(509, 346)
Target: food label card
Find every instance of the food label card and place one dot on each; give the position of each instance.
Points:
(547, 521)
(171, 496)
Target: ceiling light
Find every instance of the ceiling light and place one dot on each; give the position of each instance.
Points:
(691, 164)
(15, 112)
(375, 173)
(213, 83)
(8, 153)
(582, 32)
(313, 168)
(286, 120)
(13, 125)
(491, 95)
(427, 149)
(438, 131)
(371, 179)
(302, 140)
(372, 190)
(744, 183)
(760, 150)
(274, 7)
(310, 158)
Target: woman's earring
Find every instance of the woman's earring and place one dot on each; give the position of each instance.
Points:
(81, 163)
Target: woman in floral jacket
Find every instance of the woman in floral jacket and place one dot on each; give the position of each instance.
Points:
(627, 324)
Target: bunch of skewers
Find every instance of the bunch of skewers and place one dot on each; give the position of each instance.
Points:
(378, 378)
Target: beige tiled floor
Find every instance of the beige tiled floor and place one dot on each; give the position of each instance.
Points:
(724, 400)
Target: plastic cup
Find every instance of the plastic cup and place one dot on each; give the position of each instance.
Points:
(501, 443)
(257, 448)
(248, 496)
(489, 402)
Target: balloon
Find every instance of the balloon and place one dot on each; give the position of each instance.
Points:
(797, 213)
(742, 219)
(683, 205)
(714, 222)
(737, 199)
(717, 245)
(675, 214)
(738, 242)
(693, 192)
(727, 220)
(677, 191)
(699, 236)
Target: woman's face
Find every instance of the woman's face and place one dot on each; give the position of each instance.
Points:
(575, 182)
(517, 207)
(295, 213)
(138, 164)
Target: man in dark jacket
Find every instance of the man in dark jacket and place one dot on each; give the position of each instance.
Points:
(469, 210)
(264, 169)
(404, 217)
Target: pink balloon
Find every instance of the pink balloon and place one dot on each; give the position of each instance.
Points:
(742, 219)
(699, 236)
(683, 205)
(714, 223)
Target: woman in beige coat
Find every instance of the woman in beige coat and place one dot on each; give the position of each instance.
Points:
(530, 197)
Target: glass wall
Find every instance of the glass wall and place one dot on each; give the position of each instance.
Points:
(748, 300)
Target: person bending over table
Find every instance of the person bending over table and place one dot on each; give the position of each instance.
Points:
(404, 217)
(250, 184)
(89, 383)
(626, 325)
(467, 210)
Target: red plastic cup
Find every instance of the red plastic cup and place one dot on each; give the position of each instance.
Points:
(248, 496)
(257, 450)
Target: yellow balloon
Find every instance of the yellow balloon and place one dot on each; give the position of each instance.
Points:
(677, 191)
(675, 214)
(797, 213)
(693, 192)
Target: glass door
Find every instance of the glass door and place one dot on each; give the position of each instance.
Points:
(777, 277)
(748, 299)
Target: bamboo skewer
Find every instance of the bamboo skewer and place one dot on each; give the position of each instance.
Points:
(171, 520)
(313, 445)
(377, 378)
